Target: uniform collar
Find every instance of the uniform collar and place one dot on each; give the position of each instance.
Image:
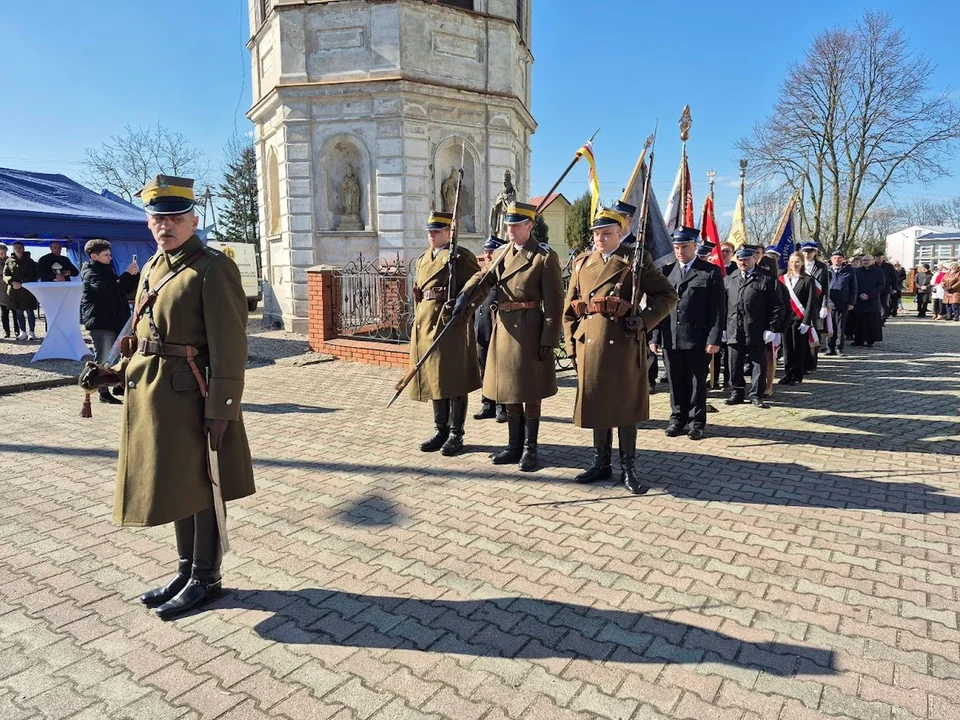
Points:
(184, 251)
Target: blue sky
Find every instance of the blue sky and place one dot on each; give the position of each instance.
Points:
(72, 77)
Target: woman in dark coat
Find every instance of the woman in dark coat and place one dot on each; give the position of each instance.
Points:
(921, 285)
(21, 268)
(870, 283)
(800, 319)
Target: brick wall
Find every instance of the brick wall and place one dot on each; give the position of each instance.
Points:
(322, 333)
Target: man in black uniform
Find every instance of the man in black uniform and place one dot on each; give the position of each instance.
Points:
(820, 275)
(753, 308)
(690, 334)
(483, 324)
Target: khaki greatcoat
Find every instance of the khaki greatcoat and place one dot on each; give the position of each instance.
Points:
(453, 369)
(514, 372)
(162, 474)
(612, 386)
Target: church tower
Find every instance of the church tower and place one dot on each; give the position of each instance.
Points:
(363, 108)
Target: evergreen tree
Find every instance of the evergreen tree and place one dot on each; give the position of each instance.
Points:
(578, 224)
(240, 213)
(540, 233)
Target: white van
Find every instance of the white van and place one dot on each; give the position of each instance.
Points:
(245, 256)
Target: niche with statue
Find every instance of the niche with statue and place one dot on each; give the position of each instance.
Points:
(346, 186)
(445, 166)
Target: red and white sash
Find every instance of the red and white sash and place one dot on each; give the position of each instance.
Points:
(800, 311)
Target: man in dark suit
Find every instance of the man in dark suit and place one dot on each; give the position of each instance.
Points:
(753, 310)
(483, 324)
(690, 334)
(818, 271)
(843, 298)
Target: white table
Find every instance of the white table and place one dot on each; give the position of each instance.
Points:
(61, 305)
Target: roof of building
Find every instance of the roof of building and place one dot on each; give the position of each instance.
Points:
(926, 230)
(536, 201)
(934, 237)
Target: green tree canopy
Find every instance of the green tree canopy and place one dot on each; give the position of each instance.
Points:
(578, 224)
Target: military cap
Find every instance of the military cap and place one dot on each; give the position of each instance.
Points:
(745, 252)
(772, 250)
(439, 220)
(624, 208)
(607, 217)
(167, 195)
(492, 243)
(809, 245)
(684, 235)
(518, 212)
(838, 253)
(703, 251)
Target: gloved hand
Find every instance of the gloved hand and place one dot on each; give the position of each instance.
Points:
(823, 313)
(777, 340)
(723, 338)
(579, 307)
(215, 430)
(768, 336)
(460, 305)
(95, 376)
(545, 352)
(804, 328)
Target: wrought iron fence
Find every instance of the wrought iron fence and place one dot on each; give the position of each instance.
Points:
(560, 353)
(374, 300)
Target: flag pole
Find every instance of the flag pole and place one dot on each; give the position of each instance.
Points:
(685, 122)
(712, 379)
(712, 177)
(636, 168)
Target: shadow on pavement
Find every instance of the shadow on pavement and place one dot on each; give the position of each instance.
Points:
(372, 510)
(511, 627)
(682, 475)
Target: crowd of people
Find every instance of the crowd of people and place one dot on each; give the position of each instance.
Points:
(938, 287)
(714, 316)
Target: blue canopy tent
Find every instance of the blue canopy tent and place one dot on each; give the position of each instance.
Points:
(36, 208)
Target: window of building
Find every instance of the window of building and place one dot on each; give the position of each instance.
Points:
(463, 4)
(263, 8)
(521, 18)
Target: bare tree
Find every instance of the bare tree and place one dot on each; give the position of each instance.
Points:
(854, 119)
(765, 207)
(924, 212)
(125, 162)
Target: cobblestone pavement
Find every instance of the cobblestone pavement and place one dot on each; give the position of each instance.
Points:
(799, 563)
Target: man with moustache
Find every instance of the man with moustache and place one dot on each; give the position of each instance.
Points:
(607, 347)
(842, 299)
(183, 369)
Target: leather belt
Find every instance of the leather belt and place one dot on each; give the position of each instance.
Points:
(510, 306)
(162, 349)
(435, 293)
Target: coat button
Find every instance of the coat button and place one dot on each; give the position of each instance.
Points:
(230, 400)
(611, 342)
(131, 384)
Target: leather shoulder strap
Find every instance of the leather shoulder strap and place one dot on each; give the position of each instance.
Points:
(150, 294)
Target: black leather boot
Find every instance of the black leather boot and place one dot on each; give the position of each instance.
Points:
(736, 398)
(515, 425)
(528, 461)
(458, 416)
(488, 410)
(204, 584)
(602, 449)
(441, 420)
(627, 438)
(183, 529)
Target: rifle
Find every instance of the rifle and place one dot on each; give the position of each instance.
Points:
(452, 262)
(633, 320)
(464, 300)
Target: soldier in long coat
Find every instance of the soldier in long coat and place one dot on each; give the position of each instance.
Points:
(609, 355)
(520, 370)
(452, 371)
(184, 385)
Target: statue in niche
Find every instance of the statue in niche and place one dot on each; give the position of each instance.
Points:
(506, 196)
(350, 201)
(448, 191)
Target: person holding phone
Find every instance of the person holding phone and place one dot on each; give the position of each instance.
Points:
(104, 309)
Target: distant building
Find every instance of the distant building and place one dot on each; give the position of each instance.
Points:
(556, 212)
(923, 243)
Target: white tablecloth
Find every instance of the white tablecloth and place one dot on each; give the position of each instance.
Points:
(61, 305)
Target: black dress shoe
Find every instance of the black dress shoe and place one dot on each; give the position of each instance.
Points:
(453, 445)
(758, 402)
(695, 433)
(786, 381)
(160, 595)
(674, 430)
(487, 411)
(593, 474)
(437, 441)
(501, 414)
(195, 594)
(108, 399)
(831, 353)
(734, 400)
